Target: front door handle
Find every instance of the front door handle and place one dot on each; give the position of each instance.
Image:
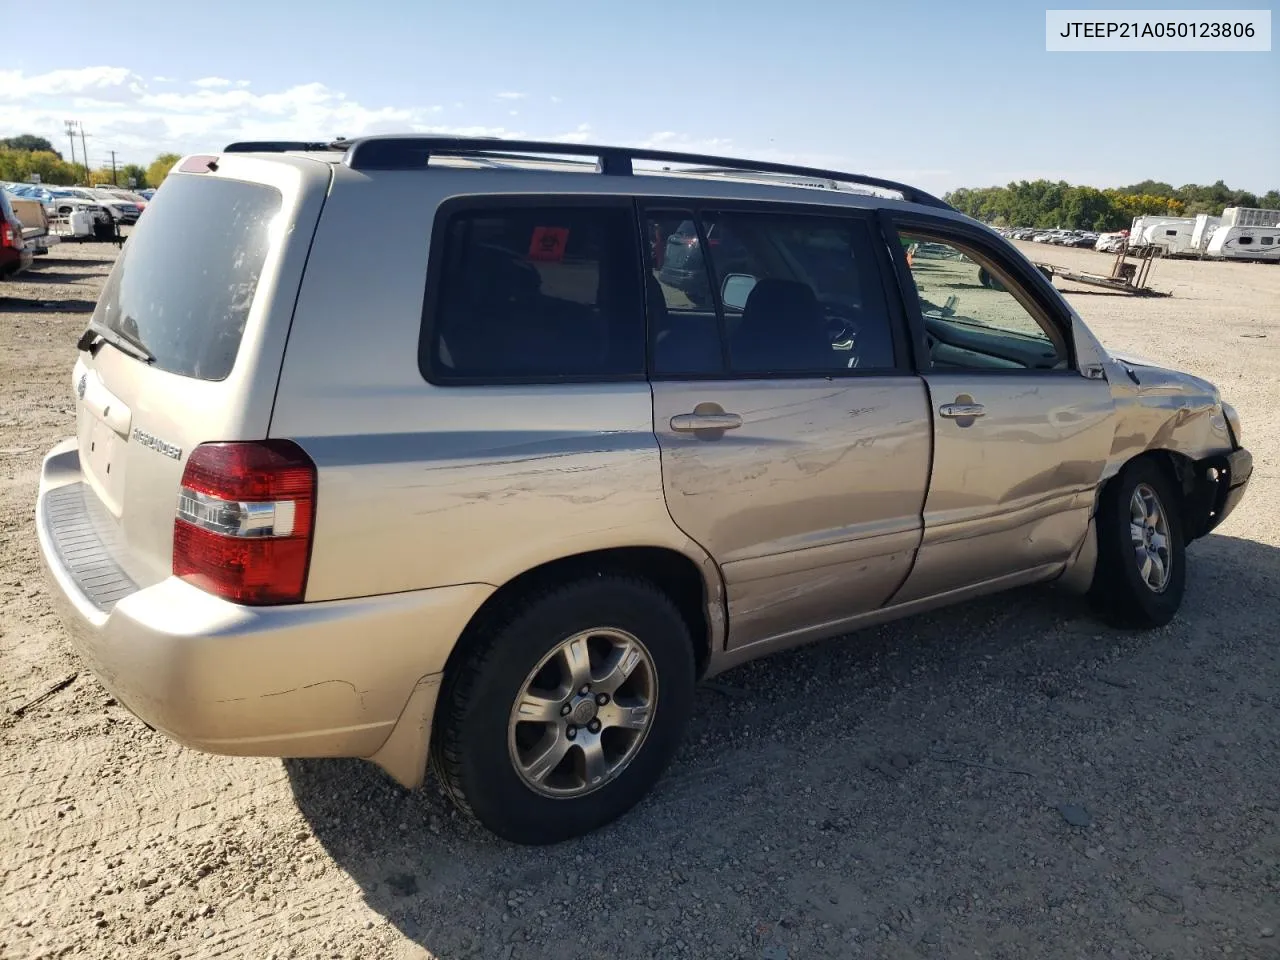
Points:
(695, 422)
(958, 411)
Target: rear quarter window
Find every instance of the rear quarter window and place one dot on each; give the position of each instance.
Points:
(534, 294)
(186, 278)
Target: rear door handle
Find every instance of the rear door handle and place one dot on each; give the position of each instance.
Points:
(954, 411)
(692, 422)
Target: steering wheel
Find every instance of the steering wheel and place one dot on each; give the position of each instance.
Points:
(841, 327)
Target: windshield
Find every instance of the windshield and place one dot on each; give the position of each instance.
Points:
(184, 284)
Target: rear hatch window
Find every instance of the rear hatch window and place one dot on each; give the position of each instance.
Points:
(185, 280)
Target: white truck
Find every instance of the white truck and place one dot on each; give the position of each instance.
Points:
(35, 224)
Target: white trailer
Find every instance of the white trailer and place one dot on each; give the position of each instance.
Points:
(1250, 217)
(1170, 238)
(1202, 233)
(1147, 229)
(1260, 244)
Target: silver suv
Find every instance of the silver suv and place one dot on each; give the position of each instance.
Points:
(402, 448)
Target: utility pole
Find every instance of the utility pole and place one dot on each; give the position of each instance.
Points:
(71, 135)
(85, 153)
(114, 183)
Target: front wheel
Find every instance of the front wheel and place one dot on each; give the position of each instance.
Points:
(1141, 571)
(988, 280)
(566, 712)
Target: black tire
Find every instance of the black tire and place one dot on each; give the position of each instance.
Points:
(1120, 593)
(469, 750)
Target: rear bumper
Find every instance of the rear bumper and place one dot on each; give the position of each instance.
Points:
(305, 680)
(41, 244)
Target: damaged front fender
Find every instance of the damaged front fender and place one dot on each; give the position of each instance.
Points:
(1161, 409)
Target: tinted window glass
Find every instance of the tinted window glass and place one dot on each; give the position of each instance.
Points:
(538, 293)
(682, 313)
(801, 294)
(184, 282)
(972, 318)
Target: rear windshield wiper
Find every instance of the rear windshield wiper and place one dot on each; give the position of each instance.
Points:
(97, 331)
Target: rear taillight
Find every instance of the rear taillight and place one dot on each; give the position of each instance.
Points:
(6, 234)
(245, 516)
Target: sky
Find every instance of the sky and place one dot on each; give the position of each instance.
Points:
(937, 94)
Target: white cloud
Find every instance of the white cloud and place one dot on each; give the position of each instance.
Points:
(580, 135)
(109, 84)
(139, 118)
(510, 95)
(555, 100)
(163, 80)
(683, 143)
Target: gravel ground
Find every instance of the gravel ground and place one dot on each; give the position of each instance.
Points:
(1006, 779)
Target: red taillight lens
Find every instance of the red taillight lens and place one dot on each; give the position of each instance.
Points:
(245, 516)
(6, 234)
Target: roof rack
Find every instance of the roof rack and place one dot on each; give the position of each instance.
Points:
(402, 152)
(277, 146)
(407, 152)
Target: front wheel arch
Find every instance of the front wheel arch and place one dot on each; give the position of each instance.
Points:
(1119, 591)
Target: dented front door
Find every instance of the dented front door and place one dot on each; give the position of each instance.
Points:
(1021, 434)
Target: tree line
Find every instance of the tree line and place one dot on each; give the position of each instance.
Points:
(1042, 203)
(25, 155)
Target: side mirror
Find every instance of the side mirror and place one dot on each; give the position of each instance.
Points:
(735, 290)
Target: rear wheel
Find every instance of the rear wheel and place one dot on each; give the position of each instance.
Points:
(566, 712)
(1141, 572)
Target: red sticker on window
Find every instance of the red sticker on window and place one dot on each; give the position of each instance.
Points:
(548, 243)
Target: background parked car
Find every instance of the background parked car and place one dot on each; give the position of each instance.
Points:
(123, 211)
(128, 196)
(15, 256)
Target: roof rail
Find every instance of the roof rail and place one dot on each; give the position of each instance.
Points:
(404, 152)
(277, 146)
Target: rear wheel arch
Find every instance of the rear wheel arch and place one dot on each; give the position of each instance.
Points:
(674, 573)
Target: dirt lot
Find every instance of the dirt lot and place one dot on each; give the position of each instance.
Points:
(914, 791)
